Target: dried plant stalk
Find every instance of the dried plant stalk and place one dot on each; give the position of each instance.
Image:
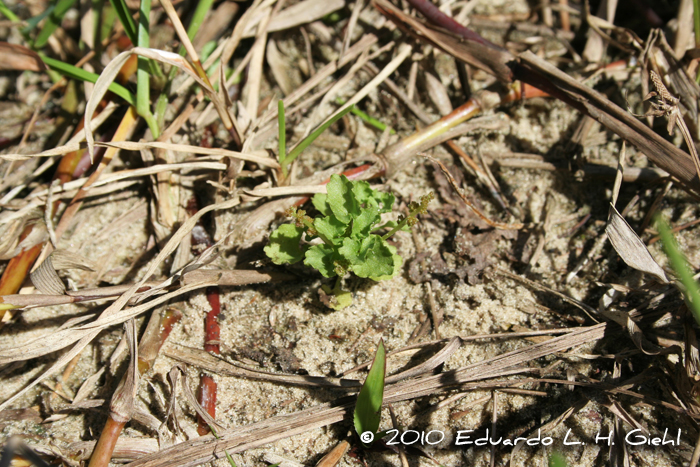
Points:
(121, 407)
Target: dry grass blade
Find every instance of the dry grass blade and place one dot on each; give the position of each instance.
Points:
(352, 53)
(475, 51)
(46, 280)
(208, 448)
(287, 190)
(591, 312)
(112, 69)
(68, 335)
(334, 455)
(303, 12)
(631, 248)
(136, 146)
(179, 373)
(114, 314)
(71, 145)
(664, 154)
(404, 52)
(206, 361)
(18, 57)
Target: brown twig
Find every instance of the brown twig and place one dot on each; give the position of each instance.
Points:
(157, 331)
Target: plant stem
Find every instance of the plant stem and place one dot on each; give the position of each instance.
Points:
(159, 328)
(104, 448)
(125, 18)
(203, 7)
(212, 331)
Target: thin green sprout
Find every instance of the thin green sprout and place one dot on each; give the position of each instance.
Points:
(71, 71)
(124, 15)
(34, 21)
(198, 17)
(7, 13)
(680, 266)
(143, 77)
(369, 120)
(52, 22)
(299, 148)
(281, 121)
(228, 456)
(367, 415)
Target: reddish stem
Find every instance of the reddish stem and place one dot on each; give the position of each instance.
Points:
(207, 399)
(212, 331)
(211, 322)
(151, 343)
(104, 448)
(438, 18)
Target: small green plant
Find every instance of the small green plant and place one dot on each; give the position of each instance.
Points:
(369, 401)
(346, 232)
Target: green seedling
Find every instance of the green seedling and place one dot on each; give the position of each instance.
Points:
(369, 402)
(681, 268)
(379, 125)
(287, 159)
(346, 232)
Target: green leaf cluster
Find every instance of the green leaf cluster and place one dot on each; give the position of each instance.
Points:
(350, 214)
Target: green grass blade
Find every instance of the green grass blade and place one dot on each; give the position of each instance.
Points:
(299, 148)
(281, 122)
(680, 266)
(52, 22)
(143, 77)
(7, 13)
(369, 402)
(79, 74)
(200, 13)
(126, 19)
(367, 118)
(228, 456)
(34, 21)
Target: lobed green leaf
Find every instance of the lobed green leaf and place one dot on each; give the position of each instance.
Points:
(375, 259)
(320, 202)
(341, 199)
(322, 258)
(284, 245)
(363, 224)
(331, 229)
